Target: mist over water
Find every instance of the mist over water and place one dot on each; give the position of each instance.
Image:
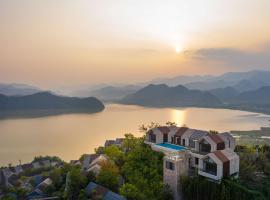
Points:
(71, 135)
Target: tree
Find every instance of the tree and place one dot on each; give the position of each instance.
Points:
(168, 123)
(8, 197)
(109, 175)
(130, 142)
(213, 132)
(203, 189)
(144, 128)
(76, 181)
(143, 170)
(99, 150)
(130, 191)
(82, 195)
(115, 154)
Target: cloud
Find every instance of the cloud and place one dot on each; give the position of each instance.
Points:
(233, 57)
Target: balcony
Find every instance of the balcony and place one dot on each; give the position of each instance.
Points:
(212, 172)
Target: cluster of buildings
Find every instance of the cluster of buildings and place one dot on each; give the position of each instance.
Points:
(11, 176)
(190, 151)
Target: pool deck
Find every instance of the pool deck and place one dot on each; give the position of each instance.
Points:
(172, 146)
(168, 148)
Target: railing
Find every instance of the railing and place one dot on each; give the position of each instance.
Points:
(208, 172)
(175, 155)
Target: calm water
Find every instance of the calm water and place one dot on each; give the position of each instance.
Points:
(71, 135)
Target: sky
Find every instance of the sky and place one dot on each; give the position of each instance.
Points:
(53, 43)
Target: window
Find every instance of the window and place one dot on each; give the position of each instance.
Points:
(209, 166)
(196, 161)
(178, 141)
(191, 143)
(183, 141)
(165, 137)
(204, 147)
(152, 137)
(169, 165)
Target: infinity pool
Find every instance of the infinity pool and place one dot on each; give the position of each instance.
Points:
(172, 146)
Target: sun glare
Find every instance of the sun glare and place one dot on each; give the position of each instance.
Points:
(178, 116)
(178, 50)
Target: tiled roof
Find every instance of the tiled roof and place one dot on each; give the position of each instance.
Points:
(112, 196)
(109, 142)
(90, 187)
(27, 166)
(181, 131)
(119, 140)
(164, 129)
(100, 191)
(197, 134)
(216, 138)
(220, 155)
(229, 153)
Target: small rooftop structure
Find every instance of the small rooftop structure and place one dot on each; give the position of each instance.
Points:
(117, 142)
(96, 192)
(93, 162)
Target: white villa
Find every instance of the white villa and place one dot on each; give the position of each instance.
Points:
(190, 151)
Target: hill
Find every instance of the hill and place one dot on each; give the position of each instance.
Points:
(164, 96)
(224, 94)
(46, 100)
(18, 89)
(260, 96)
(113, 93)
(241, 81)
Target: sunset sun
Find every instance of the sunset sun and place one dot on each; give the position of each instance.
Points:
(178, 50)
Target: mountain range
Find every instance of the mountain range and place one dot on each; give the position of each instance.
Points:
(179, 96)
(238, 90)
(239, 81)
(242, 81)
(164, 96)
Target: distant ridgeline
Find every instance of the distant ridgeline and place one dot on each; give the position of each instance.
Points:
(47, 103)
(164, 96)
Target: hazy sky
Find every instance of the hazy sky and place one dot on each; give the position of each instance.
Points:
(52, 43)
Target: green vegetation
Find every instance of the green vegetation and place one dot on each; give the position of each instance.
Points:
(200, 188)
(50, 158)
(74, 182)
(143, 172)
(109, 176)
(253, 137)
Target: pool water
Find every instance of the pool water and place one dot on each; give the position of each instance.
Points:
(172, 146)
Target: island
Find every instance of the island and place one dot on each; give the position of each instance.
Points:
(46, 103)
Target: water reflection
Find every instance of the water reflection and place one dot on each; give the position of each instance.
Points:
(178, 116)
